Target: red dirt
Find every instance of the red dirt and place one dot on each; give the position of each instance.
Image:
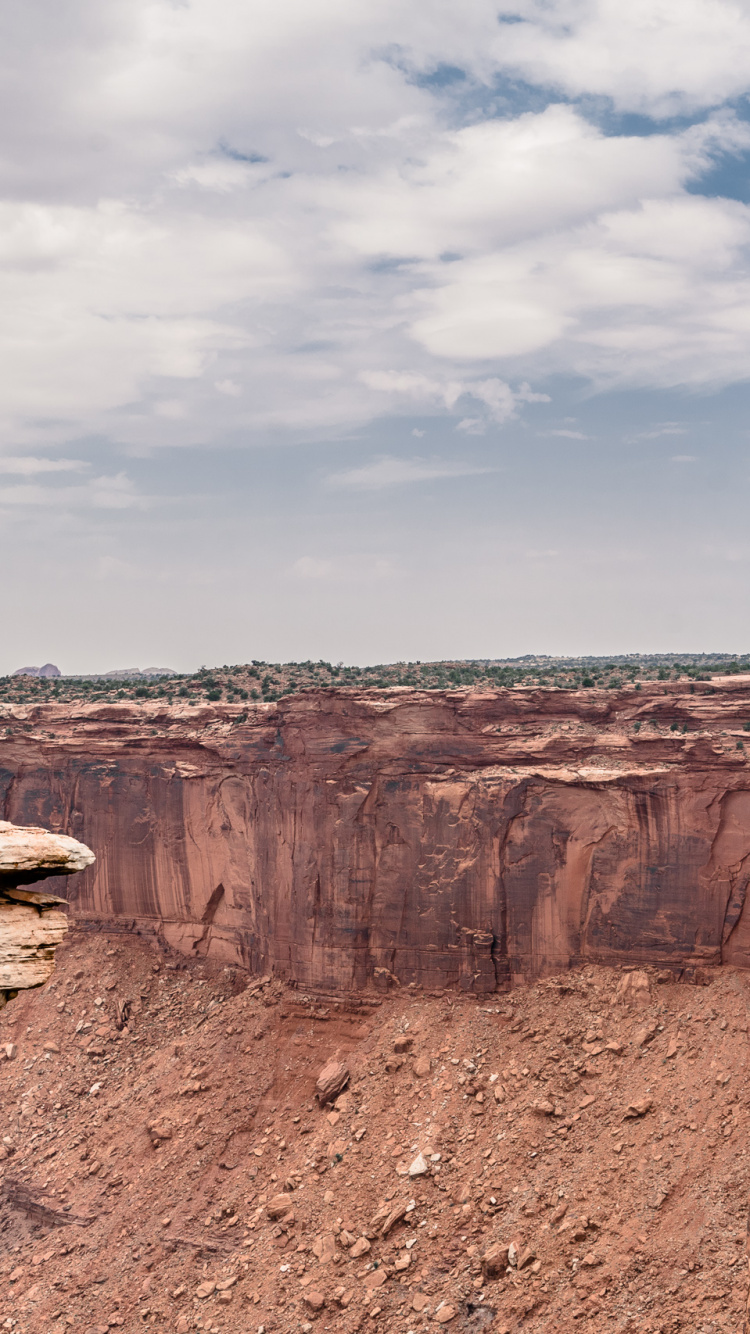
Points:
(205, 1112)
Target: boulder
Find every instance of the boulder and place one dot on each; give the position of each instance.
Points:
(331, 1081)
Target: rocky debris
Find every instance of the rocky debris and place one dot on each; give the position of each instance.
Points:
(31, 923)
(634, 989)
(638, 1108)
(387, 1216)
(331, 1081)
(419, 1167)
(495, 1260)
(246, 1206)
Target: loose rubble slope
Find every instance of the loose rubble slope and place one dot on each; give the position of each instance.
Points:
(578, 1150)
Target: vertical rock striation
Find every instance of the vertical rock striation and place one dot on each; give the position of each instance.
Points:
(454, 838)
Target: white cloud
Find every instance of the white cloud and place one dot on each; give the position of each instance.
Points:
(28, 466)
(351, 570)
(655, 56)
(387, 472)
(178, 230)
(99, 493)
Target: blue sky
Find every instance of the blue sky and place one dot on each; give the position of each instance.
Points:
(337, 330)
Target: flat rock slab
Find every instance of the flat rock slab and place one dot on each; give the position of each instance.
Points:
(28, 853)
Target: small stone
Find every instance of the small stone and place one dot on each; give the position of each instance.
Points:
(360, 1247)
(544, 1108)
(387, 1216)
(314, 1300)
(51, 1047)
(421, 1067)
(445, 1313)
(419, 1301)
(644, 1035)
(638, 1108)
(495, 1260)
(278, 1206)
(225, 1298)
(324, 1248)
(673, 1048)
(403, 1043)
(525, 1258)
(419, 1167)
(224, 1284)
(205, 1290)
(402, 1263)
(375, 1278)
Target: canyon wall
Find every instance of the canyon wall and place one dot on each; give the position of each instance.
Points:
(459, 838)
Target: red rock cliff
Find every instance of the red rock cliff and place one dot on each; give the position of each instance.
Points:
(455, 838)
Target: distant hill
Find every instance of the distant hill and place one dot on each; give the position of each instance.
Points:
(49, 669)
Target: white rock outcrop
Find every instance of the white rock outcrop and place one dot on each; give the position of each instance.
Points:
(32, 924)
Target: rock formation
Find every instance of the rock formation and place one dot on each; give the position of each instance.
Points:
(48, 670)
(31, 923)
(446, 838)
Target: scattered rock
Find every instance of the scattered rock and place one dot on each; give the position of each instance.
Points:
(445, 1313)
(324, 1248)
(419, 1167)
(638, 1108)
(495, 1260)
(314, 1299)
(278, 1206)
(331, 1081)
(634, 989)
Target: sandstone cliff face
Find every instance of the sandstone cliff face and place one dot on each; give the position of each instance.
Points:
(448, 839)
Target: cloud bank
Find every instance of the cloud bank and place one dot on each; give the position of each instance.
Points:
(230, 221)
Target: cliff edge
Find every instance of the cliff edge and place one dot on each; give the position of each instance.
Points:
(345, 837)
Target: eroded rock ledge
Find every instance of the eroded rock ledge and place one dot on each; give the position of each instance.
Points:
(31, 923)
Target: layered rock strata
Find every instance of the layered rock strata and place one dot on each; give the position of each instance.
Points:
(32, 924)
(457, 838)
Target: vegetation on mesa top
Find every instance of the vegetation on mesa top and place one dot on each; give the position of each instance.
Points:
(258, 681)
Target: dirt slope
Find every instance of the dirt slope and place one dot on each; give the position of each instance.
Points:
(163, 1144)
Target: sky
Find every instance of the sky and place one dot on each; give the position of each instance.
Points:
(363, 331)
